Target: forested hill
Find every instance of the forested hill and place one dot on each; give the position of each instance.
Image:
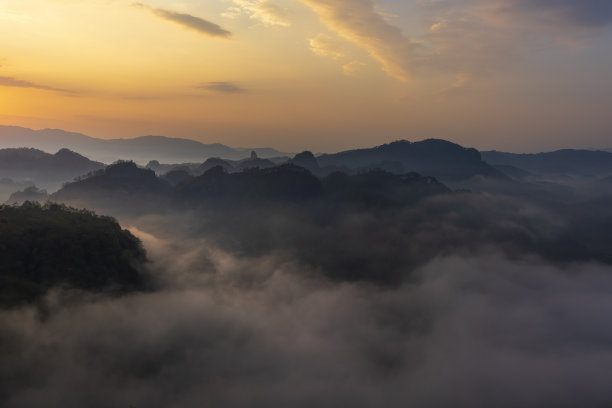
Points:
(438, 158)
(126, 189)
(42, 247)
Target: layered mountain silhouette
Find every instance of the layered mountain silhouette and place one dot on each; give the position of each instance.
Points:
(32, 194)
(306, 160)
(254, 162)
(140, 149)
(283, 183)
(46, 169)
(432, 157)
(9, 186)
(122, 184)
(230, 166)
(125, 185)
(513, 172)
(177, 176)
(567, 162)
(437, 158)
(214, 162)
(380, 188)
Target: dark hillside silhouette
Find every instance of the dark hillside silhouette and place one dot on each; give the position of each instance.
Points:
(432, 157)
(308, 161)
(214, 162)
(47, 170)
(381, 188)
(568, 162)
(31, 193)
(282, 183)
(123, 184)
(42, 247)
(177, 176)
(254, 162)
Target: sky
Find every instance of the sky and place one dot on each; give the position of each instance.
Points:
(323, 75)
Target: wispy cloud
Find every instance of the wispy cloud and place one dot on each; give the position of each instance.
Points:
(463, 84)
(359, 22)
(19, 83)
(352, 68)
(466, 38)
(326, 46)
(480, 37)
(262, 11)
(188, 21)
(221, 87)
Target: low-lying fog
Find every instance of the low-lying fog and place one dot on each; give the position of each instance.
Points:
(471, 300)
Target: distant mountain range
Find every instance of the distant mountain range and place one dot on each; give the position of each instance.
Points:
(444, 160)
(140, 149)
(567, 162)
(433, 157)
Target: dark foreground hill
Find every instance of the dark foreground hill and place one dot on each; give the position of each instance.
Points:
(49, 246)
(432, 157)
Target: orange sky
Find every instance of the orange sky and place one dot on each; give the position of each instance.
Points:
(311, 74)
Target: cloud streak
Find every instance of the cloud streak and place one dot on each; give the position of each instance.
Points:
(359, 22)
(19, 83)
(325, 46)
(263, 11)
(221, 87)
(474, 38)
(188, 21)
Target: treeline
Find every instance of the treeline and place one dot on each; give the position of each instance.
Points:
(51, 245)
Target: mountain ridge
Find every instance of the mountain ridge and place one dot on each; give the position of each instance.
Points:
(51, 170)
(141, 149)
(439, 158)
(563, 162)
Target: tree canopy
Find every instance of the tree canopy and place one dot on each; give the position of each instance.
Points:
(51, 245)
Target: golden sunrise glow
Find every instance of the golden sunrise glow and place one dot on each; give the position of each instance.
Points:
(289, 73)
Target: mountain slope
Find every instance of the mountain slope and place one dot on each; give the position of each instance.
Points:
(47, 170)
(432, 157)
(122, 185)
(283, 183)
(558, 163)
